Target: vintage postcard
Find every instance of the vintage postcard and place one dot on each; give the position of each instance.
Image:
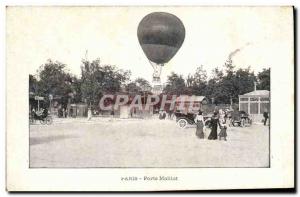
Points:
(140, 98)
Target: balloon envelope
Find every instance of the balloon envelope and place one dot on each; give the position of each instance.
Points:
(160, 35)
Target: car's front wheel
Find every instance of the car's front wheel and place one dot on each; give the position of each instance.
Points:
(207, 124)
(182, 123)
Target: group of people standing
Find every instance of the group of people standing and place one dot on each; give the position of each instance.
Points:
(218, 119)
(164, 114)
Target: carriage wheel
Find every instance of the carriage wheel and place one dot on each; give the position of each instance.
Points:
(49, 120)
(31, 121)
(43, 121)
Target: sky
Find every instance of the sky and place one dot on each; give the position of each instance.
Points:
(258, 34)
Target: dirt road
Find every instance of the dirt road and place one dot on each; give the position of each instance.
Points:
(143, 143)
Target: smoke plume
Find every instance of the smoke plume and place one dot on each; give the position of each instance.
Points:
(233, 53)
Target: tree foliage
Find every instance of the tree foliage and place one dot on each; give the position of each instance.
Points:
(96, 80)
(264, 79)
(54, 79)
(138, 85)
(175, 84)
(223, 86)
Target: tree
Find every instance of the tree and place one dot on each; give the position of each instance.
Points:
(54, 79)
(264, 79)
(143, 83)
(138, 85)
(96, 80)
(76, 90)
(199, 81)
(175, 84)
(227, 83)
(200, 75)
(243, 82)
(33, 84)
(189, 80)
(214, 88)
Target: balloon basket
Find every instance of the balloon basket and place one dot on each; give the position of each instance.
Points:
(157, 87)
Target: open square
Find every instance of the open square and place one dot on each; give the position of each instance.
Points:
(106, 142)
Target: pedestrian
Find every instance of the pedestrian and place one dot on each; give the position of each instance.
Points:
(221, 114)
(89, 114)
(162, 115)
(214, 127)
(63, 113)
(223, 127)
(66, 113)
(226, 115)
(33, 113)
(266, 116)
(170, 114)
(112, 113)
(199, 120)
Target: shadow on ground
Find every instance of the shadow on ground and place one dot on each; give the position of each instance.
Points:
(42, 140)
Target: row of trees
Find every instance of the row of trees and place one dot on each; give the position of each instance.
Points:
(223, 87)
(97, 79)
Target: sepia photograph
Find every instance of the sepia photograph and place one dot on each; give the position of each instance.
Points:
(140, 93)
(140, 87)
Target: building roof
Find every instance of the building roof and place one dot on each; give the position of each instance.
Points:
(190, 98)
(258, 93)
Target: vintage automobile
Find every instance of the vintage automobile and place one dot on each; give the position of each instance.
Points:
(183, 120)
(239, 118)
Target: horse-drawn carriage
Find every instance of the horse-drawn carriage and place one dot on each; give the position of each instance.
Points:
(42, 116)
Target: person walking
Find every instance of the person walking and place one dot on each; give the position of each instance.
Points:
(266, 116)
(63, 112)
(199, 120)
(89, 114)
(223, 127)
(214, 127)
(66, 113)
(162, 115)
(221, 114)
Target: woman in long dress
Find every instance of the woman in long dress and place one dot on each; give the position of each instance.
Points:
(214, 127)
(223, 133)
(200, 124)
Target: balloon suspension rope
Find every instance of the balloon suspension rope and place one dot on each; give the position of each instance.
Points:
(157, 70)
(156, 83)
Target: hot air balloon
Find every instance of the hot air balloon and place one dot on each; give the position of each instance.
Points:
(160, 35)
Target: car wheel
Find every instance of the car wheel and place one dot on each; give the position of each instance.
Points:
(207, 124)
(182, 123)
(243, 123)
(235, 124)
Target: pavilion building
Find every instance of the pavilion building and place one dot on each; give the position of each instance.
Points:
(255, 104)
